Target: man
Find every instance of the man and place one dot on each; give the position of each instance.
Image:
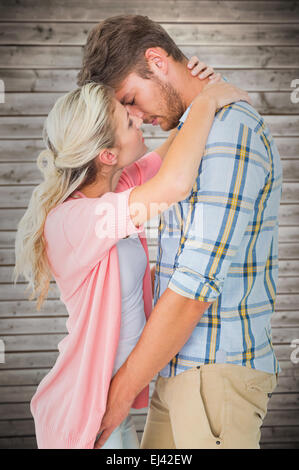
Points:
(209, 334)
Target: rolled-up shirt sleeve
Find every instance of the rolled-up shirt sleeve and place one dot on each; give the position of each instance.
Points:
(231, 188)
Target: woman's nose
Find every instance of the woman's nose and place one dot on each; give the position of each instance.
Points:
(135, 114)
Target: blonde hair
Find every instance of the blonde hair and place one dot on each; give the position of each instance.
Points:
(80, 125)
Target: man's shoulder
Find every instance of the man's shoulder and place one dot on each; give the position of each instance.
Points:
(237, 114)
(229, 118)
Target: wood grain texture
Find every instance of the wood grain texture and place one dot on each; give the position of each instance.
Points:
(255, 45)
(75, 34)
(63, 80)
(21, 150)
(27, 104)
(177, 11)
(281, 57)
(30, 127)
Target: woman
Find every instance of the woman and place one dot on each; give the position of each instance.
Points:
(96, 192)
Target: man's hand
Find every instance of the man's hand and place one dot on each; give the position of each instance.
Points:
(168, 327)
(117, 408)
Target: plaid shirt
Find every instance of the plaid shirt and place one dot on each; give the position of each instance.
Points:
(220, 245)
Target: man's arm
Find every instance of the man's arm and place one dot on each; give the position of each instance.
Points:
(167, 330)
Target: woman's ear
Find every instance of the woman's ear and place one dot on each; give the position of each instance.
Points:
(108, 157)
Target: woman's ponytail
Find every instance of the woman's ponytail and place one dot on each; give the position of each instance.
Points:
(78, 127)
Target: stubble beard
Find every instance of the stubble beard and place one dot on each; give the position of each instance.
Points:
(172, 104)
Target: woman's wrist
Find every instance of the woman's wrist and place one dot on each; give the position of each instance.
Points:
(204, 100)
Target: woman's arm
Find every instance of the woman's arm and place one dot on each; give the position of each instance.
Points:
(177, 174)
(163, 149)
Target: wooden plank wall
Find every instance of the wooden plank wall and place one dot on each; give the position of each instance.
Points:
(256, 45)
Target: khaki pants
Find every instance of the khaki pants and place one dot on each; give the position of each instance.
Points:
(215, 406)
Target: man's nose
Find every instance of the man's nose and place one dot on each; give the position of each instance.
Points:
(138, 121)
(135, 112)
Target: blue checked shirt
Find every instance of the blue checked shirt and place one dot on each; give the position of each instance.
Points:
(220, 245)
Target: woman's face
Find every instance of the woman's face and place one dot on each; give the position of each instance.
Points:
(130, 138)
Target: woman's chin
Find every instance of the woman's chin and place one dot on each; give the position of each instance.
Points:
(143, 151)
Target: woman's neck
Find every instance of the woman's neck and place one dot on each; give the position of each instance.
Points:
(103, 184)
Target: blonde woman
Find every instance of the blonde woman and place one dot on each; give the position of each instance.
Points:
(85, 227)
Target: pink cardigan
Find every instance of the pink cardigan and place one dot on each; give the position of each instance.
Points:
(81, 236)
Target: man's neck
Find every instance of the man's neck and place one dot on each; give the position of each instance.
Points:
(187, 85)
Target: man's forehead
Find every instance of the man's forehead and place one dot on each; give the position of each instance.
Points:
(122, 96)
(129, 86)
(125, 88)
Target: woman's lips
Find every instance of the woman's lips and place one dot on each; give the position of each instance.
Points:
(155, 122)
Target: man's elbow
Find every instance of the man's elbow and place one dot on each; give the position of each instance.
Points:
(196, 308)
(192, 308)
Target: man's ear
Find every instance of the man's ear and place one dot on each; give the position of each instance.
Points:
(108, 157)
(157, 60)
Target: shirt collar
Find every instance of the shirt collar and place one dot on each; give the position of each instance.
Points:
(184, 116)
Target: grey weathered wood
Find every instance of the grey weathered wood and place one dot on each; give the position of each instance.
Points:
(28, 150)
(278, 434)
(30, 127)
(18, 196)
(18, 104)
(21, 411)
(285, 303)
(60, 80)
(280, 445)
(46, 359)
(29, 442)
(55, 308)
(72, 34)
(17, 428)
(287, 383)
(22, 442)
(159, 10)
(40, 55)
(16, 308)
(56, 325)
(216, 56)
(288, 251)
(289, 215)
(28, 173)
(287, 234)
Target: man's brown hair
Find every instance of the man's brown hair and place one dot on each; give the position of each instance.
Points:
(116, 46)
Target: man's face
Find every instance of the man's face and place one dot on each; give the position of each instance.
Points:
(154, 101)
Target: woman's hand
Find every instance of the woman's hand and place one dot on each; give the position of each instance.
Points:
(202, 71)
(223, 94)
